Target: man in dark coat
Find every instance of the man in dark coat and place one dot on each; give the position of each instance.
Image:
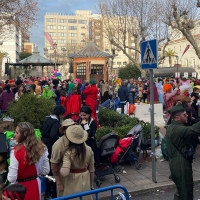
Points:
(123, 96)
(180, 152)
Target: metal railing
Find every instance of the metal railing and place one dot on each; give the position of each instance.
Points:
(95, 192)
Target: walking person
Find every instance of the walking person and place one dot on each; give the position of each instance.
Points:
(78, 162)
(123, 96)
(58, 151)
(28, 159)
(50, 134)
(181, 152)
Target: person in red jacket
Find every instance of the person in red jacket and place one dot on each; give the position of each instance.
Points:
(91, 92)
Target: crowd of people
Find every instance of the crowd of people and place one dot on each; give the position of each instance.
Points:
(68, 148)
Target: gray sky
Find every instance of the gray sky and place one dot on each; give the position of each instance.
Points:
(60, 6)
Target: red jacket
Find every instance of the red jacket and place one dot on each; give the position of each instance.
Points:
(91, 93)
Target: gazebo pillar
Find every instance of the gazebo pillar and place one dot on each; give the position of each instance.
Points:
(43, 70)
(87, 70)
(105, 73)
(75, 70)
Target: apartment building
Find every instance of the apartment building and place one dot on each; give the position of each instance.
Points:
(73, 31)
(178, 43)
(30, 47)
(12, 46)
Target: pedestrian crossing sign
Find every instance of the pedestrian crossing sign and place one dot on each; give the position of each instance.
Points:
(149, 54)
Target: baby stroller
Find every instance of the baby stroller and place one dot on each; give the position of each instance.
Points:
(107, 147)
(128, 149)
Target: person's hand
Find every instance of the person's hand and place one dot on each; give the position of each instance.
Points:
(178, 85)
(83, 121)
(60, 187)
(192, 98)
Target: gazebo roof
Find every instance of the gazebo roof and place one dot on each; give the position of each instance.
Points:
(35, 60)
(90, 50)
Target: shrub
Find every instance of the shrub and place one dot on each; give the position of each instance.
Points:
(102, 131)
(126, 120)
(108, 117)
(31, 108)
(123, 130)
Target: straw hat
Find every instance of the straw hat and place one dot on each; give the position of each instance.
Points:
(67, 122)
(76, 134)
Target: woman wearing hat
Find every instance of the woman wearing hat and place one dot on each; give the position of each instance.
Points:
(50, 134)
(78, 162)
(91, 99)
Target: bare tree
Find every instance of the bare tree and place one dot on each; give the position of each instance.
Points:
(16, 13)
(182, 15)
(128, 22)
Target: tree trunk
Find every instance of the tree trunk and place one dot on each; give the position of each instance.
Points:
(170, 61)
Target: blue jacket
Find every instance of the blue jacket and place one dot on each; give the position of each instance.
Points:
(123, 94)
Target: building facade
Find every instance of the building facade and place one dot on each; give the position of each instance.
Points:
(178, 43)
(30, 47)
(73, 31)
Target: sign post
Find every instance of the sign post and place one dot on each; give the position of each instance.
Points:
(149, 60)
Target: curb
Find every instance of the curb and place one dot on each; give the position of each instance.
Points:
(147, 189)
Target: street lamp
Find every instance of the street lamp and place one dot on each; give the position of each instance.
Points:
(177, 65)
(55, 47)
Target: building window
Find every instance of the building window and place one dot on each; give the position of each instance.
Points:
(73, 41)
(51, 20)
(52, 34)
(62, 27)
(82, 27)
(106, 50)
(180, 48)
(62, 34)
(72, 34)
(72, 28)
(82, 33)
(82, 21)
(62, 20)
(72, 21)
(81, 69)
(51, 27)
(97, 69)
(62, 41)
(119, 63)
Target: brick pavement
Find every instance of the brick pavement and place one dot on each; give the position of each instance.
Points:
(140, 181)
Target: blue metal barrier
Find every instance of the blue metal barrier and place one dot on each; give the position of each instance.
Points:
(96, 192)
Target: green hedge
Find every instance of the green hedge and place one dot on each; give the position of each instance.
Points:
(31, 108)
(111, 121)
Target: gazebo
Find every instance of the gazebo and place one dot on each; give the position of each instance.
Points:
(34, 60)
(90, 62)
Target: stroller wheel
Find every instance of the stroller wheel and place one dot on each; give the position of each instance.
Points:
(98, 183)
(118, 169)
(117, 178)
(138, 166)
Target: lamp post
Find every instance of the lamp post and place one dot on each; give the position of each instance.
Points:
(177, 65)
(198, 3)
(55, 47)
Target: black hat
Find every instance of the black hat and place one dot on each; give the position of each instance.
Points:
(176, 108)
(58, 110)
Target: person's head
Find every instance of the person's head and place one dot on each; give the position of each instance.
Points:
(25, 134)
(184, 79)
(131, 80)
(20, 88)
(59, 111)
(196, 90)
(14, 192)
(85, 113)
(77, 136)
(46, 88)
(92, 81)
(65, 124)
(7, 88)
(167, 87)
(178, 113)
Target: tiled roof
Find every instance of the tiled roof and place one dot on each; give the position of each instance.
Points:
(90, 50)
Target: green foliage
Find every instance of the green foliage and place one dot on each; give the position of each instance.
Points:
(130, 71)
(108, 117)
(31, 108)
(24, 54)
(102, 131)
(121, 124)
